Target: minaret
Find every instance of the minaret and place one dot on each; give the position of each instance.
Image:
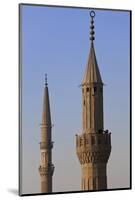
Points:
(46, 167)
(93, 146)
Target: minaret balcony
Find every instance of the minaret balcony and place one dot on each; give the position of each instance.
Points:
(44, 145)
(94, 140)
(46, 170)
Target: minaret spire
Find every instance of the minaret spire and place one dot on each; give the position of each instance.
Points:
(46, 114)
(92, 73)
(93, 146)
(46, 167)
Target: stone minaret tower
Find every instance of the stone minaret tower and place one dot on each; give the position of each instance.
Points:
(93, 146)
(46, 167)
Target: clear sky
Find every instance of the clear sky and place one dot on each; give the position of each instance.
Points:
(56, 41)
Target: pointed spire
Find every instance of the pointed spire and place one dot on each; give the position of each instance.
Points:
(92, 73)
(46, 115)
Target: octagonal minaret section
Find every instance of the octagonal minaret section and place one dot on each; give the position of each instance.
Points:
(46, 167)
(93, 146)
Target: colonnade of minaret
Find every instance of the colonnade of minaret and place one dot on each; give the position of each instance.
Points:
(93, 146)
(46, 167)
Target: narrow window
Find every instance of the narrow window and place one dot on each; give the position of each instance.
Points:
(94, 183)
(95, 89)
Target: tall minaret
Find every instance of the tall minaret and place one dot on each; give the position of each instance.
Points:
(93, 146)
(46, 167)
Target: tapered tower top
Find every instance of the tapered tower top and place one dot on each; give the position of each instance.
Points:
(46, 115)
(92, 73)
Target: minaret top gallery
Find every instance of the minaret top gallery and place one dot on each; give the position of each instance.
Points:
(93, 146)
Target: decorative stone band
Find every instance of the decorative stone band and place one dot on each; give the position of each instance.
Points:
(94, 157)
(44, 145)
(45, 171)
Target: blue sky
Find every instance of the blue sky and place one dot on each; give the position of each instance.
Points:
(56, 41)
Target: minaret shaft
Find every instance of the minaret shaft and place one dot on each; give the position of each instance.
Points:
(93, 146)
(94, 177)
(92, 96)
(46, 167)
(92, 108)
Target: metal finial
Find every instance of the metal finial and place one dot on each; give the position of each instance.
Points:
(46, 80)
(92, 15)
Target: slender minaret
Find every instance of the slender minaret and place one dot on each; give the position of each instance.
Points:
(93, 146)
(46, 167)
